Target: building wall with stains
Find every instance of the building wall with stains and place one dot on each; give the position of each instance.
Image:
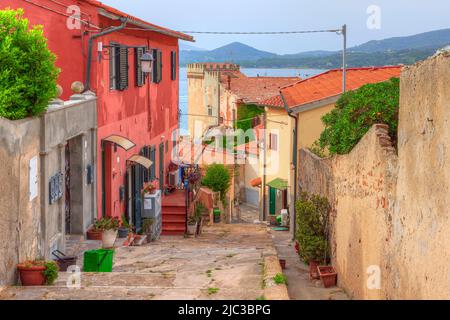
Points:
(390, 215)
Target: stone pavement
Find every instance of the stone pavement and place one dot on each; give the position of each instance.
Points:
(226, 262)
(297, 273)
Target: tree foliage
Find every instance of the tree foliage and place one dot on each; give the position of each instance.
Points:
(246, 114)
(312, 227)
(218, 179)
(357, 111)
(27, 67)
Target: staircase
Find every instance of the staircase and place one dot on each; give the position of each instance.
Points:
(174, 214)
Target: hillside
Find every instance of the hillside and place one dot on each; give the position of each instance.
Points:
(392, 51)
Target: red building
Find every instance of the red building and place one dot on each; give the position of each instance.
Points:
(137, 112)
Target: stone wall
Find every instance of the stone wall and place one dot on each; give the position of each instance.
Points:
(390, 213)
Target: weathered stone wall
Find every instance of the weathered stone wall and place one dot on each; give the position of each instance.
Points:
(421, 217)
(390, 213)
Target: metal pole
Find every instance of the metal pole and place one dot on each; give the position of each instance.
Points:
(344, 63)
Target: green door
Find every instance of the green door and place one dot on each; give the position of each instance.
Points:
(272, 200)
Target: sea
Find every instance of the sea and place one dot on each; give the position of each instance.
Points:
(303, 73)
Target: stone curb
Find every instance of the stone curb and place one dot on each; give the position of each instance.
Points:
(273, 291)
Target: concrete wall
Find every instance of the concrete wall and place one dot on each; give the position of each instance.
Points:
(31, 227)
(390, 213)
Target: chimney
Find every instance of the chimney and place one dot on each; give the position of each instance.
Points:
(229, 82)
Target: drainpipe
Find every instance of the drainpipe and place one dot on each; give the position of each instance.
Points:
(264, 214)
(295, 161)
(87, 84)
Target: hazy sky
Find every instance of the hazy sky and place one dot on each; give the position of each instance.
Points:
(398, 18)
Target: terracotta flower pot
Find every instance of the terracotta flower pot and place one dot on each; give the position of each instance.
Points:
(328, 276)
(313, 272)
(94, 235)
(31, 275)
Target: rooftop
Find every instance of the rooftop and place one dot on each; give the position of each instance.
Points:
(329, 84)
(138, 21)
(255, 89)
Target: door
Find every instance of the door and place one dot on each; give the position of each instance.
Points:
(67, 191)
(161, 167)
(272, 200)
(136, 196)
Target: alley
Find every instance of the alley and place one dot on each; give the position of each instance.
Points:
(226, 262)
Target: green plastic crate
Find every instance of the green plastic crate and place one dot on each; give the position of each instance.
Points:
(98, 260)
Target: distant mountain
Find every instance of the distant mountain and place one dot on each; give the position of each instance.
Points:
(392, 51)
(233, 52)
(427, 40)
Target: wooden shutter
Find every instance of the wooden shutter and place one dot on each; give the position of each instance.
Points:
(123, 68)
(160, 65)
(174, 65)
(140, 77)
(153, 167)
(155, 65)
(144, 171)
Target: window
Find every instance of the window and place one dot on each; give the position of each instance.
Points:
(140, 75)
(167, 146)
(173, 60)
(273, 142)
(209, 111)
(118, 67)
(157, 65)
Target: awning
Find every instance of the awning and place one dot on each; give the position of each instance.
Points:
(279, 184)
(143, 161)
(122, 142)
(256, 182)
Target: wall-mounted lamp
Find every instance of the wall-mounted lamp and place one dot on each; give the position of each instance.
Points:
(147, 63)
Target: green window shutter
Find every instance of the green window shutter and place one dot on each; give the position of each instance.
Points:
(123, 68)
(139, 75)
(153, 159)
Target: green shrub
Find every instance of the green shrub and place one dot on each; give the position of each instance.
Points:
(357, 111)
(280, 279)
(218, 179)
(51, 272)
(312, 228)
(27, 68)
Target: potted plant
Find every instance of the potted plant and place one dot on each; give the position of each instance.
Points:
(312, 231)
(199, 210)
(149, 189)
(96, 232)
(38, 272)
(328, 276)
(192, 226)
(125, 228)
(108, 226)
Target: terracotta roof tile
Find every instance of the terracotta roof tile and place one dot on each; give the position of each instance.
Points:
(255, 89)
(156, 28)
(329, 84)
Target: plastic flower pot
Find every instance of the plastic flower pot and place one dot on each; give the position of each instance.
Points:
(328, 276)
(94, 235)
(313, 272)
(109, 238)
(217, 214)
(192, 229)
(31, 275)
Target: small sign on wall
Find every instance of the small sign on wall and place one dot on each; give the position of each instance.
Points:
(56, 185)
(33, 178)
